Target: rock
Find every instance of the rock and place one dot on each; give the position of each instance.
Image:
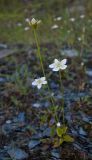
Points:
(54, 85)
(89, 72)
(17, 153)
(82, 132)
(3, 46)
(2, 80)
(20, 118)
(55, 153)
(7, 52)
(8, 121)
(7, 128)
(33, 143)
(3, 154)
(77, 146)
(47, 132)
(69, 52)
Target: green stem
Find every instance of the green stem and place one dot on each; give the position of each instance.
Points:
(38, 53)
(41, 62)
(61, 85)
(62, 90)
(83, 41)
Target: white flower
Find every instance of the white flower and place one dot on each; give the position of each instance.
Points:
(72, 19)
(54, 26)
(27, 20)
(58, 18)
(82, 63)
(58, 65)
(19, 24)
(35, 22)
(79, 39)
(68, 31)
(26, 28)
(38, 82)
(82, 16)
(58, 124)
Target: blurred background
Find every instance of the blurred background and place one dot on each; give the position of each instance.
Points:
(62, 21)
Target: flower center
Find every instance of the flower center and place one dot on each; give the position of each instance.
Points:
(58, 65)
(39, 81)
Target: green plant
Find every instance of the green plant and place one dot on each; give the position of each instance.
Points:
(57, 66)
(62, 134)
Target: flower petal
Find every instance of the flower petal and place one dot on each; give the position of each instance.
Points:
(63, 67)
(56, 69)
(52, 65)
(33, 21)
(56, 60)
(43, 78)
(34, 83)
(44, 82)
(39, 86)
(39, 21)
(63, 61)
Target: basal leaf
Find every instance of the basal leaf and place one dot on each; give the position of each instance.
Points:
(61, 131)
(61, 141)
(68, 138)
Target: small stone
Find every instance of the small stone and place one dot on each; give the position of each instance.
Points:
(82, 132)
(8, 121)
(33, 143)
(69, 52)
(89, 72)
(17, 153)
(36, 105)
(55, 153)
(47, 132)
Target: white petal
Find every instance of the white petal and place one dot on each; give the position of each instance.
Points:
(34, 83)
(43, 78)
(56, 60)
(63, 61)
(63, 67)
(38, 22)
(44, 82)
(52, 65)
(56, 69)
(58, 124)
(39, 86)
(33, 21)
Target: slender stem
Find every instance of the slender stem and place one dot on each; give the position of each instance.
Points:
(38, 53)
(61, 85)
(62, 90)
(83, 41)
(41, 62)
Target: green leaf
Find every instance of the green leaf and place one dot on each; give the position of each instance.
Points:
(61, 131)
(61, 141)
(68, 138)
(52, 131)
